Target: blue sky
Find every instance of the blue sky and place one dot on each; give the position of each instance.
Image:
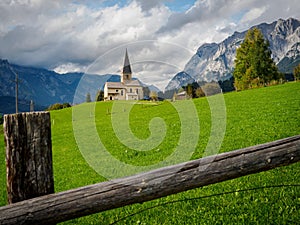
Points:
(180, 6)
(91, 35)
(174, 5)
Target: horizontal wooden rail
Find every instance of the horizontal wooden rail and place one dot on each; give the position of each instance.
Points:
(63, 206)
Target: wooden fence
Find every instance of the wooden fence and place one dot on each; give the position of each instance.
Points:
(58, 207)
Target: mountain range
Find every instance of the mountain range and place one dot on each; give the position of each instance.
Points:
(45, 87)
(215, 61)
(42, 86)
(212, 62)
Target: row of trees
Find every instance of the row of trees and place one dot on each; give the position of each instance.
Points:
(202, 89)
(58, 106)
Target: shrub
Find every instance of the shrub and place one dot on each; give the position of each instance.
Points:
(58, 106)
(66, 105)
(153, 96)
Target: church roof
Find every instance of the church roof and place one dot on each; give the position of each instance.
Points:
(115, 85)
(126, 67)
(133, 83)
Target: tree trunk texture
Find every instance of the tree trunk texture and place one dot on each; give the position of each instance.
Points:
(151, 185)
(28, 155)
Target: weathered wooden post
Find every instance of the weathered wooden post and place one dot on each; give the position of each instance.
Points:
(29, 170)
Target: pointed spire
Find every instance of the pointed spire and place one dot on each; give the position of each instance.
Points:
(126, 67)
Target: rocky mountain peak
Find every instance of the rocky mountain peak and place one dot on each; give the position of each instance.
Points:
(179, 80)
(287, 27)
(215, 61)
(206, 50)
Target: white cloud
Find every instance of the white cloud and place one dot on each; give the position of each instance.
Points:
(253, 14)
(71, 35)
(65, 68)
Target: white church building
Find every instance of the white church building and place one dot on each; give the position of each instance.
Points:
(127, 89)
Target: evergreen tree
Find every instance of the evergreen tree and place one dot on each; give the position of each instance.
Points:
(189, 90)
(99, 96)
(254, 66)
(88, 97)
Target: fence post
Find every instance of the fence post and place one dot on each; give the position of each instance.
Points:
(28, 144)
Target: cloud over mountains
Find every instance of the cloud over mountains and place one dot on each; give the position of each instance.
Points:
(69, 35)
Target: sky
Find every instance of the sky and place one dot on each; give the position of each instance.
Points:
(92, 36)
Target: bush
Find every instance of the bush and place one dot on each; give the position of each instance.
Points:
(153, 96)
(1, 119)
(66, 105)
(58, 106)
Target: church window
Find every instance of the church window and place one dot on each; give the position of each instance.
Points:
(122, 92)
(130, 90)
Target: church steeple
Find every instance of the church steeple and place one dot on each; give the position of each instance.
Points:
(126, 72)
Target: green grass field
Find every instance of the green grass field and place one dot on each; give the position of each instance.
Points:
(252, 117)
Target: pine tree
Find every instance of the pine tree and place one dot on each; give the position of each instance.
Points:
(99, 96)
(254, 66)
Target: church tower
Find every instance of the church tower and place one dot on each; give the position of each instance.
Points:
(126, 72)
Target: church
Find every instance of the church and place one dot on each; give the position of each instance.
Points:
(127, 89)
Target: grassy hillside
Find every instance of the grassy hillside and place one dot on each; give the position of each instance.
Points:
(252, 117)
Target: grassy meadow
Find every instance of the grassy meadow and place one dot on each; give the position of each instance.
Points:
(252, 117)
